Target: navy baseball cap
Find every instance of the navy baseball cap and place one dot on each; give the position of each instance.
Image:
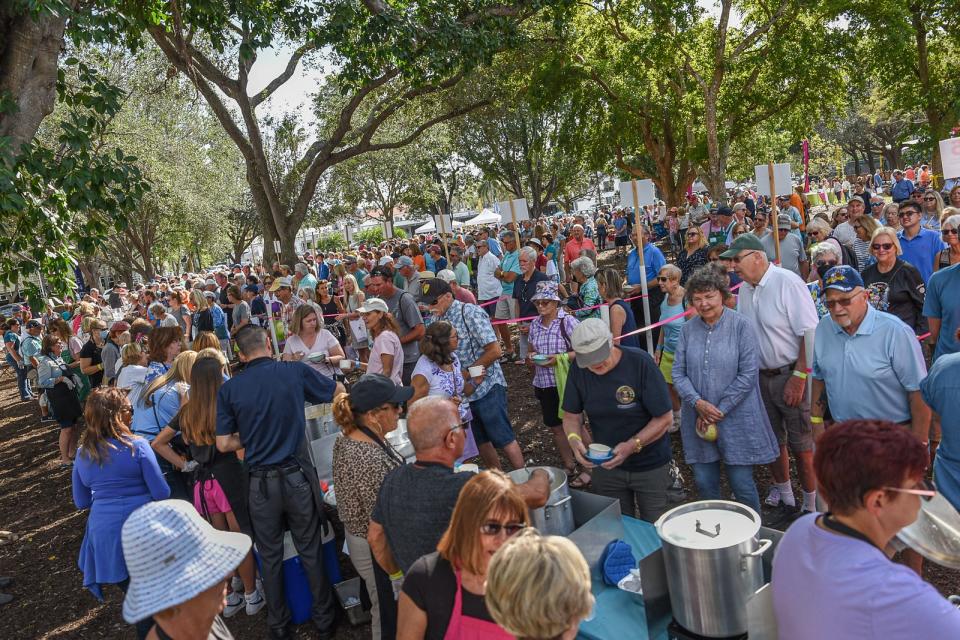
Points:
(842, 278)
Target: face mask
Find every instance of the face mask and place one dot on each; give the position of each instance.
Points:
(104, 334)
(823, 268)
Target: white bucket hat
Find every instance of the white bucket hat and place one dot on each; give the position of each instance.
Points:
(172, 555)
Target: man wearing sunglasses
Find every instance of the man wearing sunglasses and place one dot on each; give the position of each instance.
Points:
(779, 304)
(920, 246)
(868, 364)
(872, 476)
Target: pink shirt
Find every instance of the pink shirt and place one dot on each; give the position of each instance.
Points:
(572, 249)
(464, 295)
(386, 342)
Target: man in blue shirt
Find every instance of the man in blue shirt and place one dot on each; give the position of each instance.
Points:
(919, 246)
(941, 306)
(653, 261)
(260, 410)
(868, 361)
(901, 188)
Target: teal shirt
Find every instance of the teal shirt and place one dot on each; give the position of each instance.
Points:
(510, 262)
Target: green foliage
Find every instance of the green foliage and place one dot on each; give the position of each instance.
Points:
(374, 235)
(333, 241)
(62, 196)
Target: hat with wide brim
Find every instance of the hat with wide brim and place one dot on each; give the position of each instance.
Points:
(173, 555)
(546, 290)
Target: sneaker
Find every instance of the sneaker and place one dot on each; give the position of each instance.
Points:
(255, 601)
(781, 517)
(236, 584)
(235, 603)
(47, 419)
(676, 422)
(773, 498)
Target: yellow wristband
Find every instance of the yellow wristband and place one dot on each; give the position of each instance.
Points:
(396, 576)
(816, 420)
(800, 374)
(574, 436)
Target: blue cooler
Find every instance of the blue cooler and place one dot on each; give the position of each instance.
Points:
(295, 583)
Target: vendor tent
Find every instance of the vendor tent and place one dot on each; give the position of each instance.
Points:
(430, 227)
(486, 217)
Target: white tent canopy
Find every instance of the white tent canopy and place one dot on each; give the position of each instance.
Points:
(486, 217)
(430, 227)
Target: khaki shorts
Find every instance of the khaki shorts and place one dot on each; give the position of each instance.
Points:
(791, 425)
(505, 308)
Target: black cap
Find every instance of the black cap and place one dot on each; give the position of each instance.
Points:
(251, 288)
(725, 211)
(373, 390)
(433, 288)
(382, 271)
(33, 324)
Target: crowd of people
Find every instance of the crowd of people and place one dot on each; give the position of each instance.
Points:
(775, 327)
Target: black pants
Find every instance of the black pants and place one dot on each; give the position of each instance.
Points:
(656, 297)
(279, 497)
(143, 627)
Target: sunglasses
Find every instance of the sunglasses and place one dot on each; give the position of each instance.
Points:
(662, 279)
(494, 528)
(927, 493)
(876, 204)
(842, 215)
(882, 246)
(692, 235)
(950, 232)
(929, 199)
(826, 263)
(907, 214)
(842, 302)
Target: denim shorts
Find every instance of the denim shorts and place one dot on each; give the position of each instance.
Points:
(490, 420)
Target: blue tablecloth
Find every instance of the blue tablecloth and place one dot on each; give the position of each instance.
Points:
(618, 615)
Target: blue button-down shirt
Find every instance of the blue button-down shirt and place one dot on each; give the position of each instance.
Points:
(901, 189)
(653, 260)
(871, 373)
(264, 404)
(921, 251)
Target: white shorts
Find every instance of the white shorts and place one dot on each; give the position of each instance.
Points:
(504, 309)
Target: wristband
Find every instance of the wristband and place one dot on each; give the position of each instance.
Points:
(574, 436)
(396, 576)
(816, 420)
(800, 374)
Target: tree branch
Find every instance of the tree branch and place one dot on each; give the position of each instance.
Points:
(277, 82)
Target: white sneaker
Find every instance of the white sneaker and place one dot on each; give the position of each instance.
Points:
(255, 601)
(236, 584)
(676, 422)
(235, 603)
(773, 498)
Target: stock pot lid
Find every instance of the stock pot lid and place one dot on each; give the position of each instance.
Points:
(708, 524)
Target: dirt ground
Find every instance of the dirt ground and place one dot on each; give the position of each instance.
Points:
(36, 504)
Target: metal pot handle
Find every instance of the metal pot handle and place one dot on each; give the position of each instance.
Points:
(562, 501)
(764, 545)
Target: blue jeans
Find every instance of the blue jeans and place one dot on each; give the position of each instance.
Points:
(707, 477)
(21, 379)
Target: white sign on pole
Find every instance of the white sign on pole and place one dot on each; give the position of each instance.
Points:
(782, 182)
(348, 234)
(950, 156)
(388, 229)
(443, 222)
(646, 193)
(519, 208)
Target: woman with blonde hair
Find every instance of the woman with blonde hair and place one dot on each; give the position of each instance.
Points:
(115, 473)
(950, 232)
(352, 299)
(220, 487)
(895, 285)
(205, 340)
(932, 210)
(159, 403)
(132, 374)
(202, 319)
(308, 339)
(891, 215)
(863, 227)
(538, 587)
(443, 592)
(362, 458)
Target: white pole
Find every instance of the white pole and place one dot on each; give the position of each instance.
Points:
(643, 267)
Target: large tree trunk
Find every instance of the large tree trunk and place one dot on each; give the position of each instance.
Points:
(29, 51)
(715, 174)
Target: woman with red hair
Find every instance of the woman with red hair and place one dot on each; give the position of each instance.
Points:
(832, 574)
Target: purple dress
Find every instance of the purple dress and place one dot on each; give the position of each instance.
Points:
(126, 480)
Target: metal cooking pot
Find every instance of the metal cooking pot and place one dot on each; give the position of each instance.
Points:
(556, 518)
(319, 421)
(714, 564)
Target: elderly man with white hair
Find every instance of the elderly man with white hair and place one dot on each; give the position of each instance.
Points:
(575, 243)
(302, 279)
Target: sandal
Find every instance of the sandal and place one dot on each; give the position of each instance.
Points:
(575, 478)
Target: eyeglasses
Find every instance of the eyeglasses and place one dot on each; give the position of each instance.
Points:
(876, 204)
(949, 232)
(542, 303)
(739, 259)
(927, 493)
(826, 263)
(662, 279)
(692, 235)
(843, 302)
(929, 199)
(907, 214)
(857, 227)
(842, 215)
(882, 246)
(494, 528)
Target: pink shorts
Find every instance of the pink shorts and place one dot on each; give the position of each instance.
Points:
(213, 495)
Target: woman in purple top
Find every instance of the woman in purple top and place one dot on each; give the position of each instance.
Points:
(115, 472)
(550, 336)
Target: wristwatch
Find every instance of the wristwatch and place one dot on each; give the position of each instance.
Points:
(637, 446)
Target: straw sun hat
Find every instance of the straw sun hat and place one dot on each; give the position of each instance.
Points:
(172, 555)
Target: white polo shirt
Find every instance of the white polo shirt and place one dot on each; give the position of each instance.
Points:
(781, 310)
(488, 287)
